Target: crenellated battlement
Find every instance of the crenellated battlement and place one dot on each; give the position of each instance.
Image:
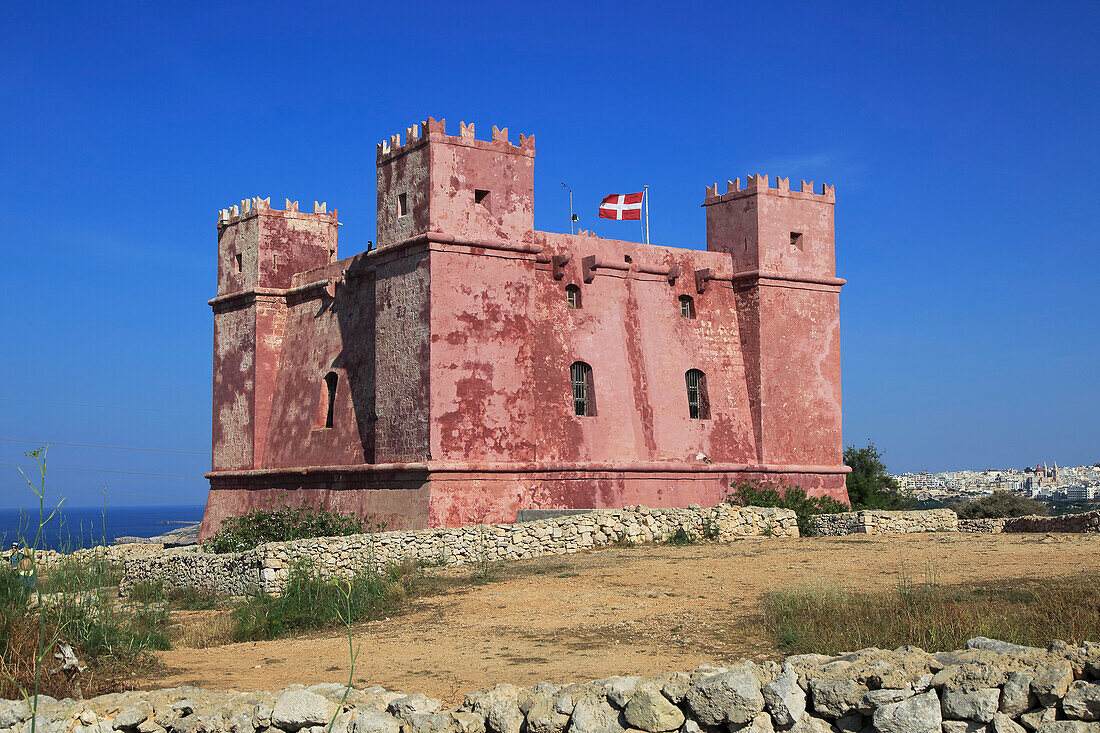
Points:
(759, 183)
(253, 206)
(436, 130)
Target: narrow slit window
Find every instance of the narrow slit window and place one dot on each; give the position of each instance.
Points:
(240, 262)
(698, 404)
(573, 296)
(687, 306)
(330, 397)
(481, 196)
(580, 375)
(402, 204)
(796, 241)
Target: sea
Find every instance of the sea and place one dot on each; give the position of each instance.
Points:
(76, 527)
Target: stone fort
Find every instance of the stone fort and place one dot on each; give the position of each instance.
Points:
(468, 366)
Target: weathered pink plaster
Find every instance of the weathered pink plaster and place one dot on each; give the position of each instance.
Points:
(452, 343)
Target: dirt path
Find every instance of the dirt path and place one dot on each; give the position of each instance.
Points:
(637, 610)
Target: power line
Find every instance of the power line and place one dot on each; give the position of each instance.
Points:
(106, 447)
(108, 470)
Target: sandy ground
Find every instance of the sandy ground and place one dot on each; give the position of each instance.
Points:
(641, 610)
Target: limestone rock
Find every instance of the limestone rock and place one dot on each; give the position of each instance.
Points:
(1016, 697)
(851, 723)
(1052, 683)
(963, 726)
(762, 723)
(728, 697)
(543, 717)
(810, 724)
(980, 705)
(651, 711)
(996, 645)
(407, 706)
(374, 721)
(133, 716)
(876, 698)
(1035, 719)
(784, 698)
(836, 698)
(296, 709)
(1004, 724)
(505, 716)
(1067, 726)
(621, 690)
(469, 722)
(1082, 701)
(917, 714)
(593, 714)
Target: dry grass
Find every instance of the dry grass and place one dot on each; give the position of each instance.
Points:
(828, 619)
(201, 629)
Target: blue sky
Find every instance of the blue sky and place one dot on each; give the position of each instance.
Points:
(961, 137)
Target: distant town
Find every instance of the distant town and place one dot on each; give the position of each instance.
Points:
(1054, 484)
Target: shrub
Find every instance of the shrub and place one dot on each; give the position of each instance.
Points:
(284, 523)
(766, 493)
(869, 485)
(311, 600)
(682, 537)
(1000, 505)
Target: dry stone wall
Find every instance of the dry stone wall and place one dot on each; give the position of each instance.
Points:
(990, 686)
(884, 522)
(1088, 522)
(268, 566)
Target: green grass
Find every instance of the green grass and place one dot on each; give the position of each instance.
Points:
(824, 618)
(312, 601)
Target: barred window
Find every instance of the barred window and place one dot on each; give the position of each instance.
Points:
(572, 296)
(687, 306)
(698, 404)
(584, 403)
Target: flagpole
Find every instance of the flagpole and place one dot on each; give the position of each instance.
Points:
(645, 197)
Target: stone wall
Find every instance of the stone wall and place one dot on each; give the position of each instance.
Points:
(1088, 522)
(982, 526)
(268, 566)
(113, 554)
(990, 686)
(883, 522)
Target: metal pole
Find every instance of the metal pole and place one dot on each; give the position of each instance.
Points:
(645, 198)
(572, 218)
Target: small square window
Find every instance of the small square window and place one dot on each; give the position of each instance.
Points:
(240, 263)
(796, 241)
(481, 197)
(402, 204)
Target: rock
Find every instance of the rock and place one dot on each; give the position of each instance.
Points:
(1082, 701)
(1016, 697)
(651, 711)
(622, 689)
(242, 723)
(430, 723)
(261, 715)
(505, 716)
(876, 698)
(407, 706)
(784, 698)
(296, 709)
(149, 726)
(1035, 719)
(469, 722)
(836, 698)
(980, 705)
(1004, 724)
(87, 717)
(917, 714)
(728, 697)
(810, 724)
(564, 705)
(133, 716)
(593, 714)
(676, 687)
(374, 721)
(998, 646)
(762, 723)
(851, 723)
(1067, 726)
(185, 706)
(963, 726)
(12, 712)
(543, 717)
(1052, 683)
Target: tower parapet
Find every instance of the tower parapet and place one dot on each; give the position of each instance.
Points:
(759, 183)
(458, 185)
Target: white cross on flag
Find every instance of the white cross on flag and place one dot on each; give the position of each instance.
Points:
(621, 206)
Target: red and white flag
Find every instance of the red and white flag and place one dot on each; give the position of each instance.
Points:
(621, 206)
